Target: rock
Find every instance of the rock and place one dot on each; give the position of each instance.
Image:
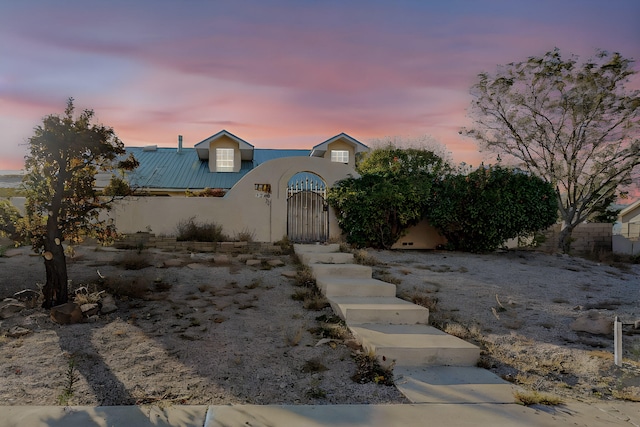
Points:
(66, 314)
(18, 331)
(244, 257)
(222, 259)
(253, 262)
(196, 266)
(172, 263)
(108, 308)
(107, 305)
(593, 323)
(28, 296)
(90, 309)
(275, 263)
(290, 274)
(9, 253)
(9, 307)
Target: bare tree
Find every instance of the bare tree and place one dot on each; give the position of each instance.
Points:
(573, 124)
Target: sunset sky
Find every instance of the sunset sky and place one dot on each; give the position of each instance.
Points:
(280, 74)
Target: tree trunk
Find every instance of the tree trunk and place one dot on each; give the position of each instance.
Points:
(55, 289)
(564, 239)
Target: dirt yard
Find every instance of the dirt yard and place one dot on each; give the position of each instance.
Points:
(211, 329)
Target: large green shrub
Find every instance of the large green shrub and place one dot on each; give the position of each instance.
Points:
(480, 211)
(396, 184)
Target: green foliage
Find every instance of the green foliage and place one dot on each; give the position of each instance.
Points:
(390, 196)
(118, 187)
(9, 220)
(207, 192)
(573, 124)
(482, 210)
(392, 161)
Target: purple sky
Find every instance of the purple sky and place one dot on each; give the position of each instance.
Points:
(280, 74)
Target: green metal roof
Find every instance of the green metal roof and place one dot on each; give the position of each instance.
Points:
(166, 168)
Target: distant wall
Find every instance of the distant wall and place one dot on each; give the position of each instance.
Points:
(587, 237)
(242, 209)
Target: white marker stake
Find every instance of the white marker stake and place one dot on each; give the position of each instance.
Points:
(617, 342)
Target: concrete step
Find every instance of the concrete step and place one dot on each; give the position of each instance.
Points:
(452, 384)
(339, 287)
(341, 270)
(382, 310)
(302, 248)
(416, 345)
(326, 258)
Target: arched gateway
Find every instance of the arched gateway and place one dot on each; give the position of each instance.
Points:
(307, 209)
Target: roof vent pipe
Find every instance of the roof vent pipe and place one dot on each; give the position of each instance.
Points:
(179, 144)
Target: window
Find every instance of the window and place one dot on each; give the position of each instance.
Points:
(340, 156)
(224, 159)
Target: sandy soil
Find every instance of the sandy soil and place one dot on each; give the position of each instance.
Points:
(212, 330)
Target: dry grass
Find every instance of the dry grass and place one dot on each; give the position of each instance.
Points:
(363, 257)
(133, 261)
(421, 299)
(528, 398)
(293, 336)
(385, 276)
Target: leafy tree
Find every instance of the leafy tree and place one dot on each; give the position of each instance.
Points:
(390, 196)
(65, 153)
(9, 219)
(575, 125)
(480, 211)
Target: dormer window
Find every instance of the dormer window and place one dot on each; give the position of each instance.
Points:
(224, 159)
(340, 156)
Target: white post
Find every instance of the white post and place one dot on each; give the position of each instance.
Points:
(617, 342)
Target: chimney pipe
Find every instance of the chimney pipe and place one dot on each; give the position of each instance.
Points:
(179, 144)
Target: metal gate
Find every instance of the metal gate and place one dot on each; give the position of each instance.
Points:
(307, 210)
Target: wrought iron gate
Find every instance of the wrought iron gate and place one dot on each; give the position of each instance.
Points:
(307, 210)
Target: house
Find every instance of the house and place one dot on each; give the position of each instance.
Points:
(269, 193)
(220, 161)
(627, 238)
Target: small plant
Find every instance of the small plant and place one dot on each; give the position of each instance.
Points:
(315, 301)
(130, 261)
(364, 258)
(368, 370)
(71, 378)
(190, 230)
(528, 398)
(301, 294)
(385, 276)
(293, 336)
(305, 277)
(421, 300)
(313, 365)
(3, 250)
(245, 235)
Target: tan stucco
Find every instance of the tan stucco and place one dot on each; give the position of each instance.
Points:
(631, 213)
(224, 142)
(341, 145)
(420, 236)
(241, 209)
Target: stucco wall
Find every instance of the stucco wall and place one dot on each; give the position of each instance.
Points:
(224, 142)
(343, 146)
(420, 236)
(241, 209)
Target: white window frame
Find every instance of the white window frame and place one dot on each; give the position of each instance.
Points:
(224, 159)
(340, 156)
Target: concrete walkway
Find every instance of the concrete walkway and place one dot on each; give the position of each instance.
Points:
(623, 414)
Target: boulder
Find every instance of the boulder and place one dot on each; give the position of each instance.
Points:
(593, 323)
(275, 263)
(253, 262)
(9, 307)
(66, 314)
